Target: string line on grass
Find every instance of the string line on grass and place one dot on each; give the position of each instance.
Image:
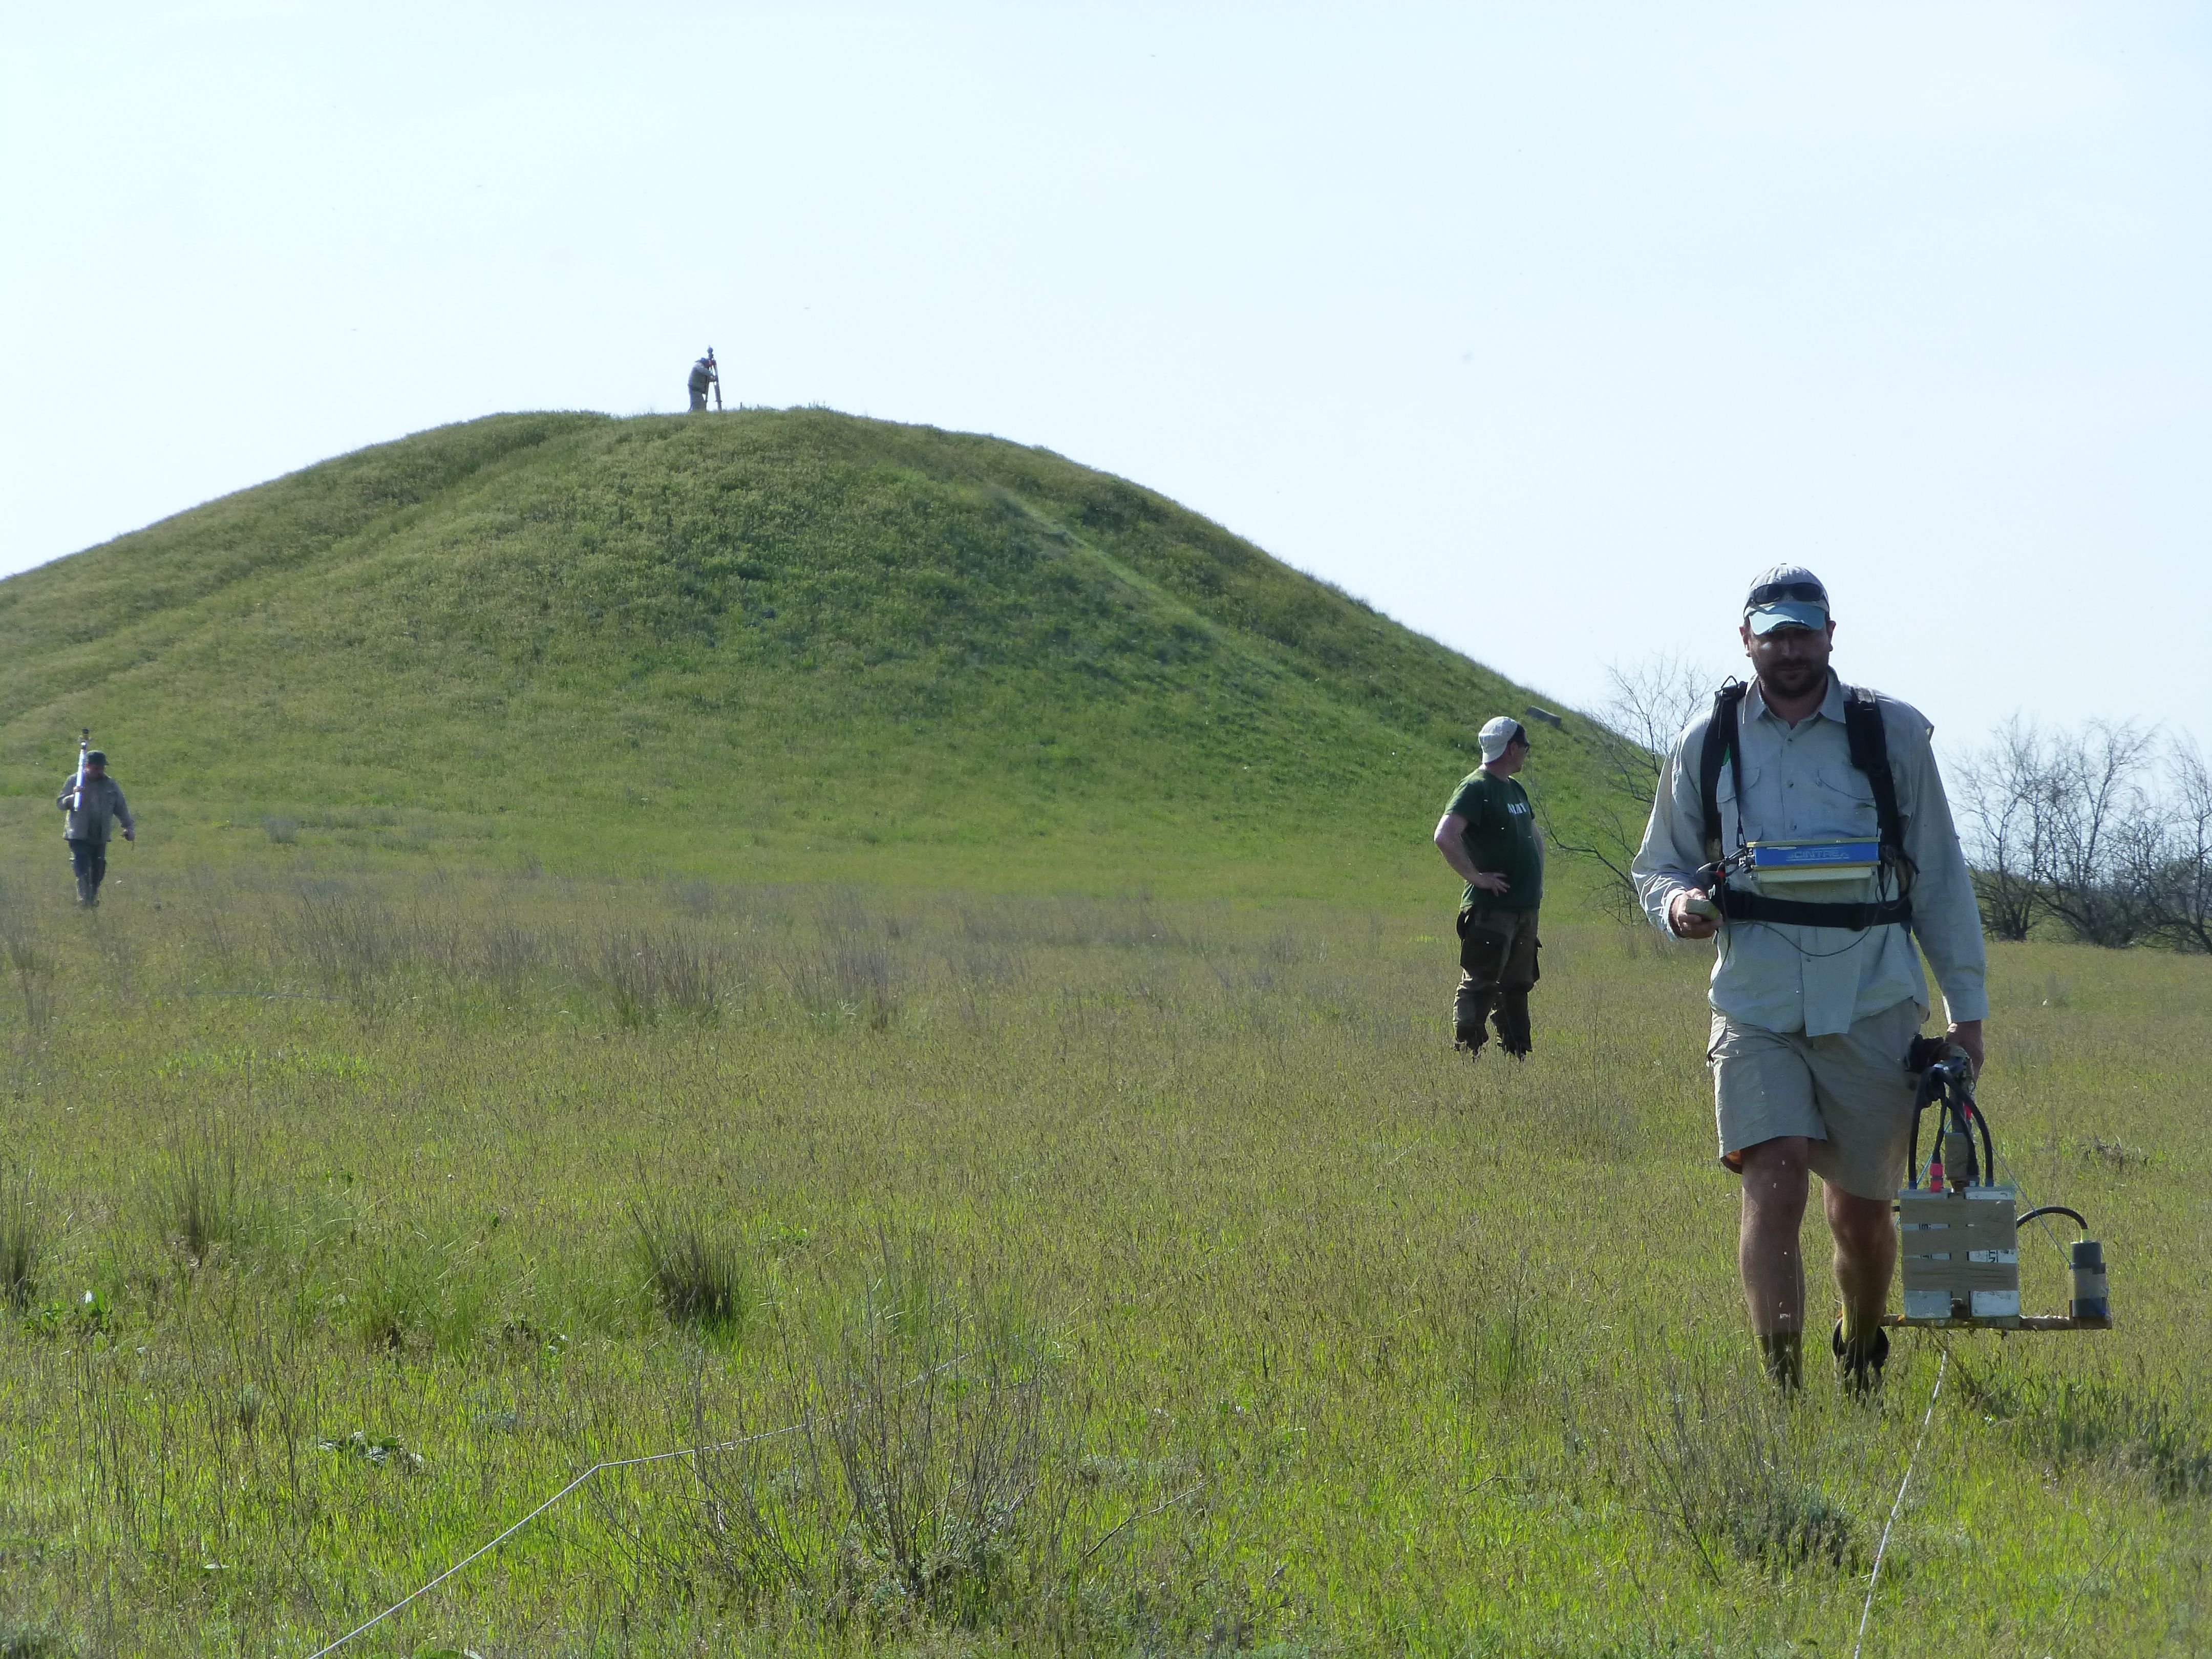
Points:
(606, 1463)
(1881, 1549)
(487, 1548)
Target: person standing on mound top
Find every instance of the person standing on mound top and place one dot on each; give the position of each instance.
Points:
(1488, 835)
(93, 811)
(703, 375)
(1804, 822)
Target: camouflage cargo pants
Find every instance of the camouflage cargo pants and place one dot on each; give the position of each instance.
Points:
(1497, 951)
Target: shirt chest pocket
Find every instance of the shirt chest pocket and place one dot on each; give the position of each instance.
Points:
(1843, 800)
(1742, 809)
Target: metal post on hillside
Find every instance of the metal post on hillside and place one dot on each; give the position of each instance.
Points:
(717, 367)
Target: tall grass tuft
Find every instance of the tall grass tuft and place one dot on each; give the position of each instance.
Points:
(22, 1240)
(207, 1203)
(30, 961)
(350, 940)
(2129, 1428)
(695, 1274)
(1728, 1469)
(916, 1495)
(646, 974)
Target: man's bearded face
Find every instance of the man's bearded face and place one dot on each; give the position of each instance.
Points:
(1790, 662)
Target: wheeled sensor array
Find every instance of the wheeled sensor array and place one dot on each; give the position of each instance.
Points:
(1959, 1234)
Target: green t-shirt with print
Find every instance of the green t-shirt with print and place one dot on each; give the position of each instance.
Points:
(1501, 839)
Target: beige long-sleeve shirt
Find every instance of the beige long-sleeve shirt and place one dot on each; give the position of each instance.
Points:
(1799, 784)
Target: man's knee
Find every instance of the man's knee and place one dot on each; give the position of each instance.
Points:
(1858, 1223)
(1775, 1172)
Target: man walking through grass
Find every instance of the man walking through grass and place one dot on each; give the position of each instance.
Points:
(94, 807)
(1488, 835)
(1817, 994)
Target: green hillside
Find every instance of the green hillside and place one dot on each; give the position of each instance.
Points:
(765, 645)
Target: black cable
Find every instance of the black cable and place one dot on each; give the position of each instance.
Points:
(2041, 1211)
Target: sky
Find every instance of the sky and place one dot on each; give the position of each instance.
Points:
(1541, 328)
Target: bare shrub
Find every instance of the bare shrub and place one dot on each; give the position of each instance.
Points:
(2092, 799)
(2089, 829)
(1730, 1473)
(645, 975)
(350, 941)
(913, 1493)
(1646, 708)
(2170, 861)
(2000, 815)
(283, 831)
(506, 954)
(695, 1273)
(853, 978)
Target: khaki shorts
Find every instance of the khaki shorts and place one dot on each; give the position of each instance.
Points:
(1849, 1096)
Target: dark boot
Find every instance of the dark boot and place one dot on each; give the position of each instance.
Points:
(1513, 1033)
(1468, 1040)
(1859, 1361)
(1784, 1354)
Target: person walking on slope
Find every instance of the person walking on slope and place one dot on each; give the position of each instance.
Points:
(93, 811)
(704, 374)
(1817, 995)
(1488, 835)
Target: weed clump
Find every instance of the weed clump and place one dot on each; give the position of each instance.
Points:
(208, 1205)
(695, 1275)
(23, 1241)
(2127, 1429)
(648, 975)
(912, 1496)
(1729, 1474)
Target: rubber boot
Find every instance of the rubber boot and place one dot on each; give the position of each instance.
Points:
(1859, 1361)
(1783, 1352)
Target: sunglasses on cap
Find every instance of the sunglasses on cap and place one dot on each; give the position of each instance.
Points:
(1771, 592)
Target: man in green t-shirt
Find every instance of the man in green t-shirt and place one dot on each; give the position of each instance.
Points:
(1488, 835)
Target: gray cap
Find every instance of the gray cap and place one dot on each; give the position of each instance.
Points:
(1787, 596)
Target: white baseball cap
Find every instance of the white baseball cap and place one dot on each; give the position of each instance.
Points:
(1500, 732)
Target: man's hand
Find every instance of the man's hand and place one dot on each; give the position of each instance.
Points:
(1490, 882)
(1686, 923)
(130, 835)
(1967, 1034)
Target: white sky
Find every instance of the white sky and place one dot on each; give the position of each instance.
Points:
(1541, 327)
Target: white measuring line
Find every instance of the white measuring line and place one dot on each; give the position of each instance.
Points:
(1882, 1549)
(486, 1549)
(609, 1463)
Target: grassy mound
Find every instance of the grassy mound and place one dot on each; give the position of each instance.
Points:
(768, 645)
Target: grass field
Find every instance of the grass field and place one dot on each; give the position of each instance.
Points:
(1143, 1276)
(776, 645)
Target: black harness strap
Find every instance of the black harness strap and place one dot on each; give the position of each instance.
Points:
(1870, 750)
(1738, 905)
(1869, 742)
(1721, 745)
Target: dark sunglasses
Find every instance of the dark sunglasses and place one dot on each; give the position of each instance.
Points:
(1768, 592)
